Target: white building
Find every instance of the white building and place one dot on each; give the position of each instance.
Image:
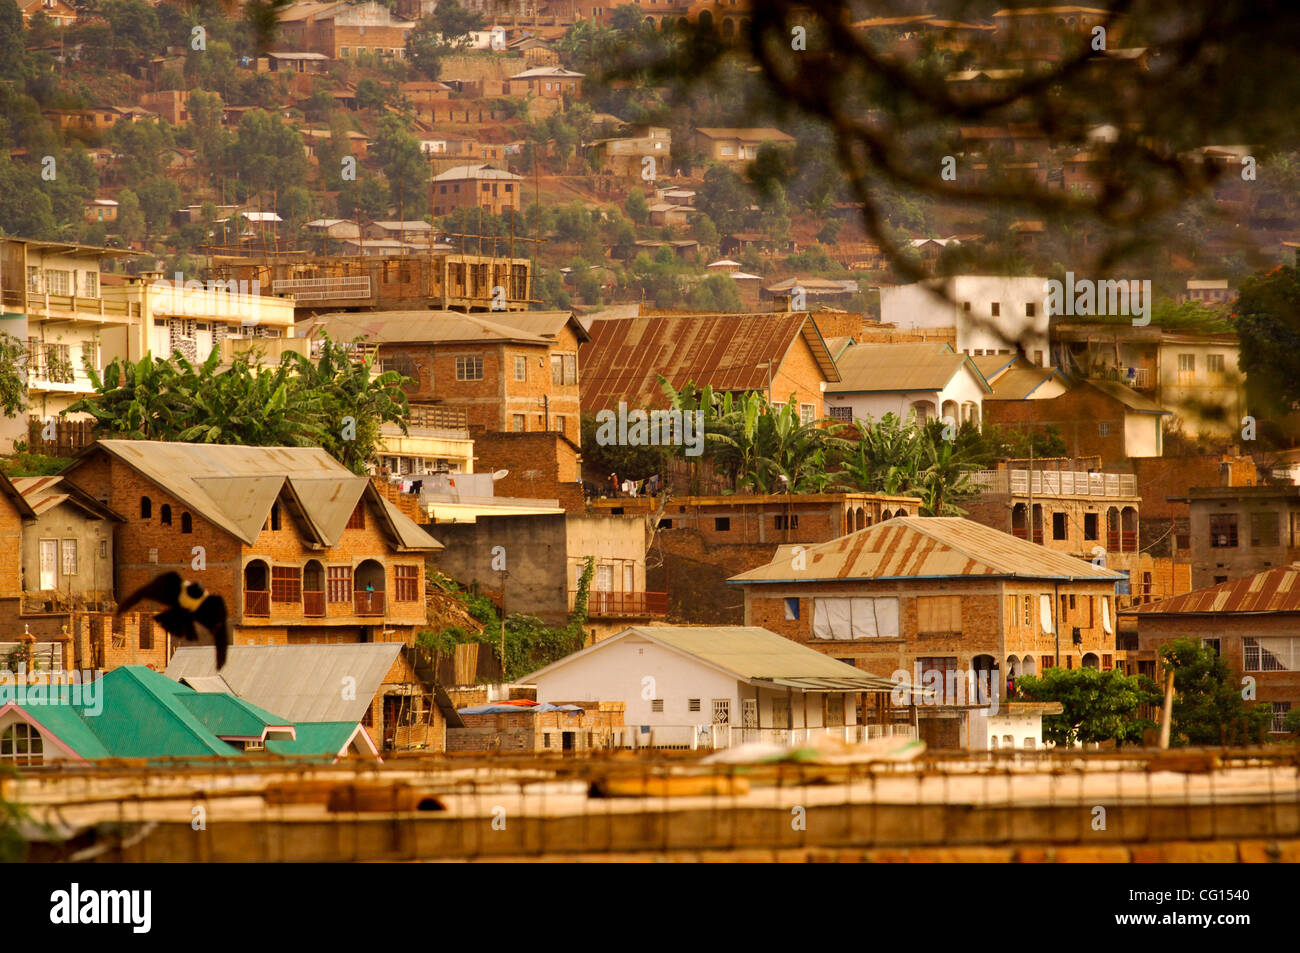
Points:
(930, 380)
(991, 314)
(714, 686)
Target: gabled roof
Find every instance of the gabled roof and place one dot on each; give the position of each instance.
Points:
(301, 682)
(726, 351)
(746, 652)
(921, 547)
(901, 368)
(1019, 383)
(548, 72)
(233, 487)
(44, 493)
(547, 324)
(763, 134)
(477, 171)
(1274, 590)
(427, 327)
(15, 496)
(1128, 397)
(991, 365)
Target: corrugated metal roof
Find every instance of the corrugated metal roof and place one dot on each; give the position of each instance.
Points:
(546, 324)
(927, 547)
(875, 368)
(1128, 397)
(750, 653)
(1019, 382)
(401, 327)
(233, 487)
(298, 682)
(43, 493)
(1274, 590)
(625, 355)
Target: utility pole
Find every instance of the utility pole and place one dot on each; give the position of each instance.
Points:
(503, 627)
(1030, 514)
(1166, 716)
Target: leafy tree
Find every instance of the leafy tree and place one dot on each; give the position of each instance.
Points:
(263, 19)
(404, 166)
(135, 30)
(717, 293)
(638, 209)
(425, 48)
(159, 198)
(1208, 707)
(267, 152)
(1098, 706)
(454, 23)
(130, 218)
(12, 44)
(13, 383)
(1268, 324)
(25, 208)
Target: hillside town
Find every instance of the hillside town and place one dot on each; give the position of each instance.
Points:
(399, 397)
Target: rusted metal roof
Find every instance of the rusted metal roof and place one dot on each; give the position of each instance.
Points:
(726, 351)
(912, 547)
(1274, 590)
(43, 493)
(400, 327)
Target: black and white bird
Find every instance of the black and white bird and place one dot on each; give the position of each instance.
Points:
(191, 610)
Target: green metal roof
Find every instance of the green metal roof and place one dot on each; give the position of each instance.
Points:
(321, 738)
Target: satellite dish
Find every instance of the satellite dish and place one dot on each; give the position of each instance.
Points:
(500, 475)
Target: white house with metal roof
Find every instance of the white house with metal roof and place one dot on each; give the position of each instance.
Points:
(928, 379)
(714, 686)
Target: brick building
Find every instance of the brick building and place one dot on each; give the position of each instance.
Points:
(781, 354)
(546, 82)
(475, 186)
(509, 372)
(1237, 531)
(342, 30)
(941, 593)
(1253, 623)
(1095, 419)
(526, 727)
(300, 548)
(541, 465)
(700, 541)
(737, 145)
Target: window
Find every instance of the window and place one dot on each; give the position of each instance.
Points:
(338, 583)
(997, 309)
(791, 608)
(165, 515)
(521, 368)
(1060, 528)
(469, 368)
(58, 282)
(275, 516)
(1271, 654)
(1215, 644)
(940, 664)
(806, 412)
(1048, 661)
(517, 423)
(722, 711)
(21, 744)
(557, 370)
(1103, 428)
(855, 618)
(1031, 310)
(1263, 529)
(657, 705)
(406, 583)
(841, 413)
(570, 368)
(146, 635)
(146, 508)
(69, 553)
(1223, 531)
(358, 518)
(1280, 711)
(786, 522)
(187, 523)
(692, 704)
(722, 524)
(1214, 363)
(1090, 525)
(559, 424)
(938, 615)
(286, 584)
(1186, 369)
(1027, 609)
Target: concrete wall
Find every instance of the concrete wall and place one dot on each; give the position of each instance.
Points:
(93, 579)
(916, 306)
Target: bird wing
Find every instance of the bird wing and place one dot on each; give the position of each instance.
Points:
(165, 589)
(178, 622)
(211, 614)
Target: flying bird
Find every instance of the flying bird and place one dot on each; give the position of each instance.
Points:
(191, 610)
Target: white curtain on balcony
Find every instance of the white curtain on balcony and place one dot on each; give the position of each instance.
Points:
(860, 618)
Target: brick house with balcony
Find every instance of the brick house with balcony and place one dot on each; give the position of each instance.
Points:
(300, 548)
(1253, 623)
(703, 540)
(938, 593)
(509, 372)
(475, 186)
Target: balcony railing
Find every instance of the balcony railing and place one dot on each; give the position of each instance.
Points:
(1019, 532)
(344, 287)
(727, 736)
(257, 602)
(1122, 542)
(369, 603)
(1056, 482)
(601, 603)
(313, 604)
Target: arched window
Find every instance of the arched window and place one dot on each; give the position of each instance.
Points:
(146, 508)
(21, 744)
(165, 514)
(187, 524)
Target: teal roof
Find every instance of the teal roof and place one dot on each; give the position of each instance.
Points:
(144, 714)
(322, 738)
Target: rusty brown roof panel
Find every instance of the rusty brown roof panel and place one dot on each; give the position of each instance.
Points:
(1274, 590)
(625, 355)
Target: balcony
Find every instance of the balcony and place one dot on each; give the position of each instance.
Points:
(1055, 483)
(715, 737)
(1122, 542)
(340, 288)
(257, 603)
(1019, 532)
(313, 604)
(601, 604)
(369, 603)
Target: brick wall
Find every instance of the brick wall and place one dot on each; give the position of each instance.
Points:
(11, 535)
(542, 466)
(1077, 414)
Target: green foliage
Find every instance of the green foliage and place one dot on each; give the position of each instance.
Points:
(13, 383)
(13, 845)
(1268, 324)
(717, 293)
(638, 209)
(1208, 708)
(902, 457)
(24, 463)
(298, 402)
(1098, 706)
